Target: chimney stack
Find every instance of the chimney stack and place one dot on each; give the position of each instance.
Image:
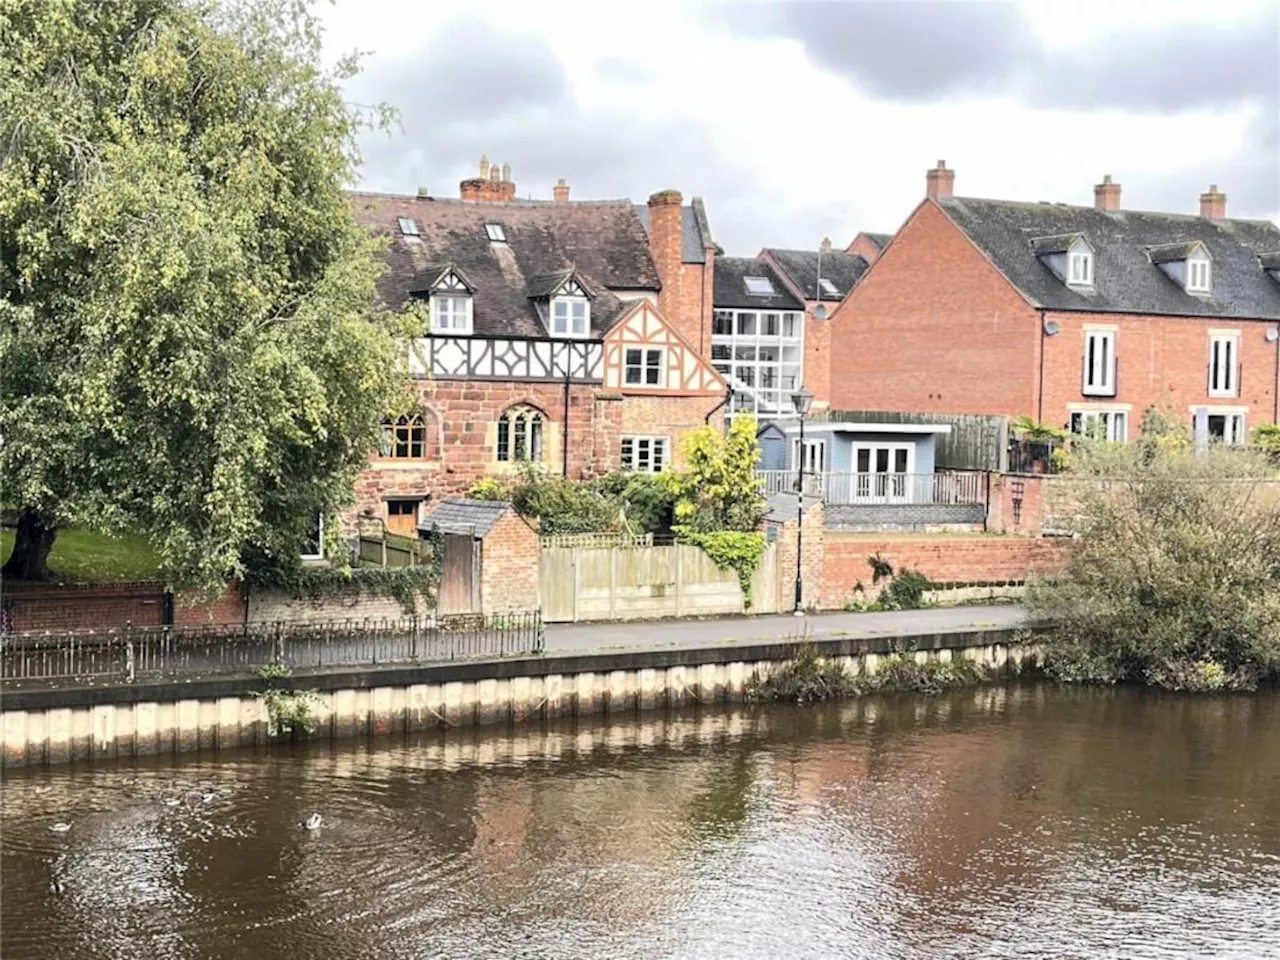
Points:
(666, 214)
(494, 184)
(1213, 204)
(826, 244)
(561, 191)
(1106, 195)
(939, 182)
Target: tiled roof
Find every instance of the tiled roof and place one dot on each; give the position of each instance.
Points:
(730, 290)
(881, 240)
(1125, 278)
(461, 515)
(695, 233)
(603, 240)
(801, 266)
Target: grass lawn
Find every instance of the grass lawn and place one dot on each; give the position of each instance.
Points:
(86, 557)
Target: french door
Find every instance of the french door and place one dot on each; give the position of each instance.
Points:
(883, 472)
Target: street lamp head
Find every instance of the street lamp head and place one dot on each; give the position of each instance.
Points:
(803, 399)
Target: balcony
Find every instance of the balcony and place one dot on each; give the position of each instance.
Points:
(869, 489)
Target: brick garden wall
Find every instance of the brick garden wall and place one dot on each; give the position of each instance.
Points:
(54, 606)
(509, 574)
(812, 561)
(958, 558)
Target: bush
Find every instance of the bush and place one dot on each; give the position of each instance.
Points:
(807, 677)
(901, 671)
(1173, 574)
(904, 591)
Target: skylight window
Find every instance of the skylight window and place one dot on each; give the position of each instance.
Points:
(409, 227)
(828, 287)
(758, 286)
(495, 232)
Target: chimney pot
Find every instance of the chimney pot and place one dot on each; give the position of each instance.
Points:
(826, 244)
(561, 191)
(1106, 195)
(939, 182)
(484, 167)
(424, 192)
(506, 173)
(1213, 204)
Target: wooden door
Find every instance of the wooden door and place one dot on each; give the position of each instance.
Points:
(402, 517)
(459, 574)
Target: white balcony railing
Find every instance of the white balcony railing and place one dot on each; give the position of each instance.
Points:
(872, 488)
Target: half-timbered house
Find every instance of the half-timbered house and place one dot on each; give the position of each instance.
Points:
(542, 341)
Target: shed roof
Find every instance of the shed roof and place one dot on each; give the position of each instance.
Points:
(463, 515)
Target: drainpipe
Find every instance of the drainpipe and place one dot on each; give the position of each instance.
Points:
(564, 433)
(1275, 388)
(1040, 391)
(728, 396)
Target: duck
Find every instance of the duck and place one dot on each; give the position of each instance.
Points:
(314, 822)
(60, 827)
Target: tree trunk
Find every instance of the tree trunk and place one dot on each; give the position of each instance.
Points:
(31, 545)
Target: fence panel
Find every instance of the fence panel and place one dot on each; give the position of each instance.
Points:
(158, 652)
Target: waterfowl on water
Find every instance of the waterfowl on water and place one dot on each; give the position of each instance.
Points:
(60, 827)
(314, 822)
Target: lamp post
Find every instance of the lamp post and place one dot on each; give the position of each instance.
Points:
(803, 400)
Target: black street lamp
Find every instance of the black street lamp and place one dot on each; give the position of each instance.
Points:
(803, 400)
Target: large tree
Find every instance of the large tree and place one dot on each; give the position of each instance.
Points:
(188, 329)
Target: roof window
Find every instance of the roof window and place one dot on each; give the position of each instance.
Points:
(495, 232)
(408, 227)
(828, 287)
(758, 286)
(1080, 267)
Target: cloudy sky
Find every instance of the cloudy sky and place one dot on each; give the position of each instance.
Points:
(802, 120)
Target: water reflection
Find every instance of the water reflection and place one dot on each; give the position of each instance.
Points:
(1022, 820)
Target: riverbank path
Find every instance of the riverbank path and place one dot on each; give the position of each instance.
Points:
(651, 634)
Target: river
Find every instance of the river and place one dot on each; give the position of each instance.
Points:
(1023, 820)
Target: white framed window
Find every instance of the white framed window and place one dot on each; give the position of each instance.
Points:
(313, 545)
(1080, 268)
(570, 317)
(1224, 424)
(646, 454)
(520, 435)
(1199, 277)
(759, 286)
(1112, 425)
(1224, 365)
(1099, 363)
(408, 227)
(814, 457)
(644, 367)
(451, 313)
(761, 354)
(495, 232)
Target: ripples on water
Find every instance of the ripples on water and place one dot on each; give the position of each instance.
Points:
(1019, 821)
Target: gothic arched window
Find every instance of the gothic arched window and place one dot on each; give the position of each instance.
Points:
(520, 435)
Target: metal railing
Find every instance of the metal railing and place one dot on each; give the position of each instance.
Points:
(137, 653)
(880, 488)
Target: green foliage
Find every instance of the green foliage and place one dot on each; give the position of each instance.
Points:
(620, 501)
(1036, 431)
(904, 591)
(406, 585)
(289, 710)
(1266, 437)
(718, 489)
(881, 569)
(1175, 565)
(489, 488)
(810, 677)
(734, 550)
(191, 346)
(273, 671)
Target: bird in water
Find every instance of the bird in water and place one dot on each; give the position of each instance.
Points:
(57, 886)
(314, 822)
(60, 827)
(207, 797)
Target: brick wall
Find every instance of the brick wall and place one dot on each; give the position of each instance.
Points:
(694, 319)
(271, 605)
(1017, 503)
(934, 327)
(1160, 361)
(812, 561)
(671, 417)
(817, 355)
(509, 571)
(864, 248)
(54, 606)
(227, 607)
(944, 559)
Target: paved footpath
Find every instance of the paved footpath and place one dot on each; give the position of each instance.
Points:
(651, 634)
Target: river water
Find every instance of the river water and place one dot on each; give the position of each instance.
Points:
(1025, 821)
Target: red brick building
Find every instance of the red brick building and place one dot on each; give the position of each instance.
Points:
(543, 341)
(1075, 315)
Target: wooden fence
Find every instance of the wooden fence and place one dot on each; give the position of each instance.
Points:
(376, 546)
(645, 582)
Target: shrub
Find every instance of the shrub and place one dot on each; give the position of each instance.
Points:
(901, 671)
(806, 678)
(1174, 567)
(735, 550)
(904, 591)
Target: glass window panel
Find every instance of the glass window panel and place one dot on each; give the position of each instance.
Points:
(746, 324)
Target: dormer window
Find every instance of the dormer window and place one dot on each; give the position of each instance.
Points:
(758, 286)
(1270, 262)
(408, 227)
(1080, 268)
(495, 232)
(570, 316)
(1198, 279)
(451, 314)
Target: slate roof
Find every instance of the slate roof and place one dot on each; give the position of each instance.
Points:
(603, 241)
(801, 267)
(730, 291)
(881, 240)
(1125, 279)
(695, 231)
(461, 515)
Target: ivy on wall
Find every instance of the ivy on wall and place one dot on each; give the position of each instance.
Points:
(736, 550)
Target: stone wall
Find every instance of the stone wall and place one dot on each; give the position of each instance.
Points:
(904, 516)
